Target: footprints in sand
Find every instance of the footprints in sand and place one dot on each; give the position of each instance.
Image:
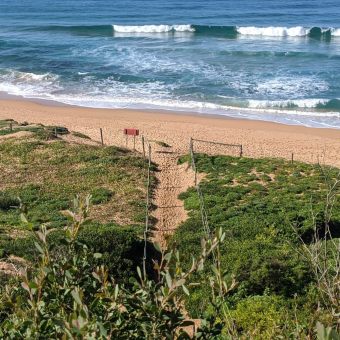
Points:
(172, 180)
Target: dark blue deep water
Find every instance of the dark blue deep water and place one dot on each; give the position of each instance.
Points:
(263, 59)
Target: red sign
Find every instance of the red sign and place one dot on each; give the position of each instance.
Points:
(131, 132)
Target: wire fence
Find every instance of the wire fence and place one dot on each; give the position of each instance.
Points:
(147, 203)
(217, 148)
(320, 156)
(203, 211)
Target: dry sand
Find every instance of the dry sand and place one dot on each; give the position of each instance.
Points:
(259, 139)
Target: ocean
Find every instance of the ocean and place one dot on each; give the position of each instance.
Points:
(270, 60)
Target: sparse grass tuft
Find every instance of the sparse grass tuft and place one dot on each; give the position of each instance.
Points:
(101, 195)
(80, 135)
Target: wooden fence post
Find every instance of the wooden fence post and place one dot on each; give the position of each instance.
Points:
(292, 157)
(191, 146)
(101, 136)
(11, 127)
(143, 146)
(241, 150)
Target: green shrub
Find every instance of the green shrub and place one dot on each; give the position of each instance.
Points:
(65, 297)
(260, 317)
(101, 195)
(22, 247)
(44, 134)
(121, 248)
(80, 135)
(257, 202)
(60, 130)
(8, 201)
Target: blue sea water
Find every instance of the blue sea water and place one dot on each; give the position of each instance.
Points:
(261, 59)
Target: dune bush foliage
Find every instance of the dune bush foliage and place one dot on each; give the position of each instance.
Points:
(278, 218)
(67, 296)
(74, 269)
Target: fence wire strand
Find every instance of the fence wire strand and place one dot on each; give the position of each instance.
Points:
(147, 209)
(203, 211)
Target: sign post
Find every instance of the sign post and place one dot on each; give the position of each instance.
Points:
(131, 132)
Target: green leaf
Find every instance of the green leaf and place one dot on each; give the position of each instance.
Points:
(139, 273)
(157, 246)
(33, 285)
(185, 290)
(116, 291)
(180, 282)
(102, 330)
(76, 297)
(23, 218)
(168, 279)
(37, 245)
(167, 257)
(96, 276)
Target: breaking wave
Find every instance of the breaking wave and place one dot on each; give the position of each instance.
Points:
(153, 28)
(220, 31)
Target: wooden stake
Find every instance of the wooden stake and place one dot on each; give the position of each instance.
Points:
(143, 146)
(191, 146)
(241, 150)
(134, 142)
(292, 158)
(101, 136)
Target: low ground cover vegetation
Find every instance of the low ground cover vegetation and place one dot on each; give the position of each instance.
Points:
(268, 269)
(269, 209)
(40, 174)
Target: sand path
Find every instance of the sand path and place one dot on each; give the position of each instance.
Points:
(172, 179)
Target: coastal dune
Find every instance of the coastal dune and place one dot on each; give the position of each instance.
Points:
(258, 138)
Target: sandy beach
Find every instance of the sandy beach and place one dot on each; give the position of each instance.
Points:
(258, 138)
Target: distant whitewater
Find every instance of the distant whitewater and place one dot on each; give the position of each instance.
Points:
(271, 31)
(153, 28)
(210, 57)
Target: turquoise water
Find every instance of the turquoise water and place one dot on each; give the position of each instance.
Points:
(269, 60)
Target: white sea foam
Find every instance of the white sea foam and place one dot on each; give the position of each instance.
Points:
(281, 31)
(289, 86)
(109, 93)
(311, 103)
(27, 83)
(335, 32)
(273, 31)
(153, 28)
(270, 31)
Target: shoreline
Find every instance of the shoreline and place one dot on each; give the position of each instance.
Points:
(259, 138)
(230, 113)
